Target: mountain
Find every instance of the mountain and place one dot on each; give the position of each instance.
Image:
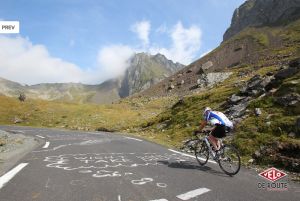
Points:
(10, 88)
(144, 70)
(258, 13)
(251, 41)
(72, 92)
(260, 56)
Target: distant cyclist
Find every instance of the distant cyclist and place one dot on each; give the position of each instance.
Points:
(221, 125)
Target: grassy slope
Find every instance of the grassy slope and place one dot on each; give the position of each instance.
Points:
(122, 116)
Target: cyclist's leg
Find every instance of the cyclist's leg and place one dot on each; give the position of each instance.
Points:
(218, 132)
(213, 141)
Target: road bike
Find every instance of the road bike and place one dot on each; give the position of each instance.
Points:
(227, 157)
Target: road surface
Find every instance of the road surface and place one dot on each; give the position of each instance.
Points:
(97, 166)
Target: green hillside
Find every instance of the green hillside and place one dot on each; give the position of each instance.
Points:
(114, 117)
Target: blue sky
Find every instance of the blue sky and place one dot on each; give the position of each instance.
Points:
(89, 41)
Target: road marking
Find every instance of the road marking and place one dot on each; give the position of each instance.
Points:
(60, 146)
(142, 181)
(119, 198)
(17, 131)
(193, 193)
(9, 175)
(40, 136)
(46, 145)
(178, 152)
(161, 185)
(159, 200)
(47, 184)
(134, 139)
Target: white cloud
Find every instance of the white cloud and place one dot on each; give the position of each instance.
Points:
(113, 60)
(186, 43)
(24, 62)
(28, 63)
(142, 29)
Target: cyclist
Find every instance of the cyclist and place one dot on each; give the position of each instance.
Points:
(221, 125)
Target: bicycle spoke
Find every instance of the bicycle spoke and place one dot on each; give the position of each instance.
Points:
(229, 160)
(201, 153)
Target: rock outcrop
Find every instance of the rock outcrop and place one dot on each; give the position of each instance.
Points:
(257, 13)
(259, 86)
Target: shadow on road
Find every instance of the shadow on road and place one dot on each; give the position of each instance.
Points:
(192, 165)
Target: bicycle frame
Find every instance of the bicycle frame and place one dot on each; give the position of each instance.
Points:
(223, 159)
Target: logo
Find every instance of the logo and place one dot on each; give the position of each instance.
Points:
(272, 174)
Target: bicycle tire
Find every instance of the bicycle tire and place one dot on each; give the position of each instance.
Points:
(229, 156)
(201, 152)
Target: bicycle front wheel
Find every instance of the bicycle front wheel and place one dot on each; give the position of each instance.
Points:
(201, 152)
(229, 160)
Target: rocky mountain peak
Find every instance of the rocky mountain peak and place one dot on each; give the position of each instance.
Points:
(256, 13)
(136, 58)
(160, 57)
(146, 70)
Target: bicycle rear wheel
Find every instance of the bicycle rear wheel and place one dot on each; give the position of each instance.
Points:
(229, 160)
(201, 152)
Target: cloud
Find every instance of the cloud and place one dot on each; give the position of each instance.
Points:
(186, 42)
(28, 63)
(142, 29)
(24, 62)
(113, 60)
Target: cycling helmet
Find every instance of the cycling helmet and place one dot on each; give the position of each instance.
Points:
(206, 110)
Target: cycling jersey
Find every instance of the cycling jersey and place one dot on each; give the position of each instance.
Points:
(218, 118)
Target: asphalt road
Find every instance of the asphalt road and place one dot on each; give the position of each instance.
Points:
(97, 166)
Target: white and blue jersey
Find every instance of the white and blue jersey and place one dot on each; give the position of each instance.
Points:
(215, 117)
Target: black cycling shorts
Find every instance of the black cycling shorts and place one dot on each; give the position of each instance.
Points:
(219, 131)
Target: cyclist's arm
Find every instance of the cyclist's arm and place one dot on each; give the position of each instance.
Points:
(202, 125)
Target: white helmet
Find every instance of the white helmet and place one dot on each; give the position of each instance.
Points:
(206, 110)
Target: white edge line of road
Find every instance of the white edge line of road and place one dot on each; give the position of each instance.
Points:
(40, 136)
(17, 131)
(188, 155)
(46, 145)
(193, 193)
(9, 175)
(134, 139)
(159, 200)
